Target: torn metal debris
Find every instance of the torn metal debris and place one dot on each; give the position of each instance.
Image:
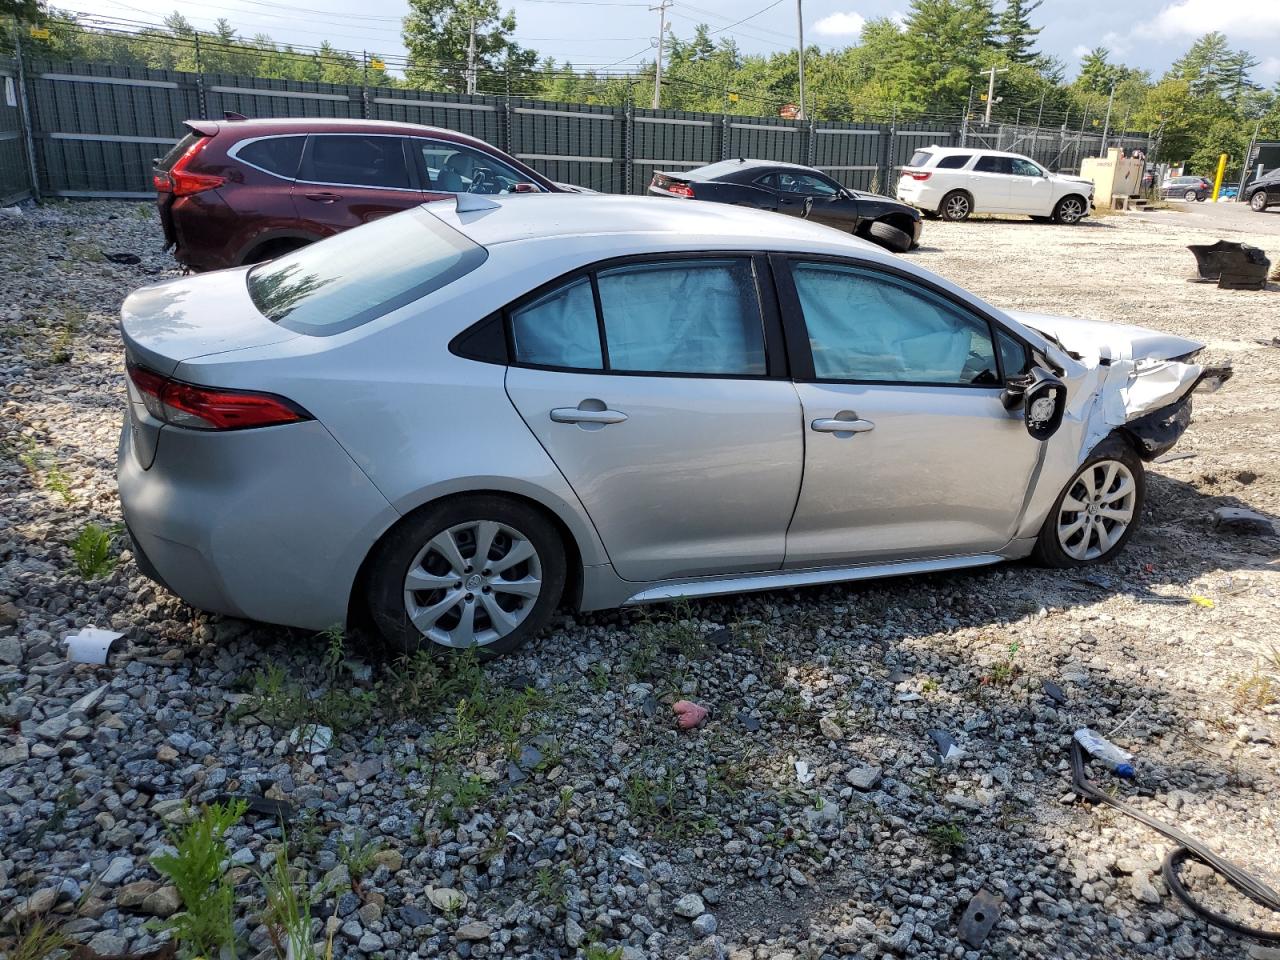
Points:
(979, 917)
(1232, 265)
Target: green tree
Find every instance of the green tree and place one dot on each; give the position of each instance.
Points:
(24, 11)
(437, 34)
(1014, 32)
(945, 44)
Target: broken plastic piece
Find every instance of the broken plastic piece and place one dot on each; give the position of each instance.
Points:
(1105, 752)
(688, 714)
(948, 749)
(1235, 266)
(979, 917)
(1200, 601)
(1054, 692)
(803, 773)
(90, 645)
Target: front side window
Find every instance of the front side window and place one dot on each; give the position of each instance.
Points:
(955, 161)
(354, 160)
(455, 168)
(869, 326)
(988, 164)
(354, 277)
(1025, 168)
(278, 155)
(803, 183)
(677, 316)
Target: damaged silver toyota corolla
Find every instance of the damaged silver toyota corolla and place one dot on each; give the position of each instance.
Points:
(448, 421)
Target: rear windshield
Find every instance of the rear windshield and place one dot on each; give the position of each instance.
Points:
(357, 276)
(714, 171)
(177, 150)
(919, 159)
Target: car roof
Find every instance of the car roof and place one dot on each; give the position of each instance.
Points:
(263, 125)
(935, 148)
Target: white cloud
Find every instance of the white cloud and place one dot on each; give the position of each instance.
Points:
(1270, 67)
(1079, 50)
(846, 24)
(1192, 18)
(899, 18)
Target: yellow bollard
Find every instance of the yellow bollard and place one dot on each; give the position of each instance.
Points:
(1217, 181)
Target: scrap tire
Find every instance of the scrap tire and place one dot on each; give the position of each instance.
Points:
(1048, 551)
(889, 236)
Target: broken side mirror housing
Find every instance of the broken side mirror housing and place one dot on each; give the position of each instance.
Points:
(1043, 398)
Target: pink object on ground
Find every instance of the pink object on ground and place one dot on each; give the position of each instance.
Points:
(688, 714)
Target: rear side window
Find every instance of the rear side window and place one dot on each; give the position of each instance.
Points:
(989, 164)
(359, 275)
(178, 149)
(560, 329)
(920, 158)
(362, 161)
(955, 161)
(278, 155)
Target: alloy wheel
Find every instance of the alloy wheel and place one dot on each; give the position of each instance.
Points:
(1259, 200)
(957, 207)
(1070, 210)
(1190, 196)
(1097, 510)
(472, 583)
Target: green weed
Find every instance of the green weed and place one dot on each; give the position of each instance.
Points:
(287, 910)
(33, 940)
(91, 550)
(45, 470)
(947, 838)
(358, 856)
(597, 951)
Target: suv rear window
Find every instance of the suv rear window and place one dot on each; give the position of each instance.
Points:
(278, 155)
(359, 275)
(920, 158)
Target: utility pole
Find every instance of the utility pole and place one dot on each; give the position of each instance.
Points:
(1248, 159)
(662, 38)
(991, 91)
(471, 59)
(800, 32)
(1106, 124)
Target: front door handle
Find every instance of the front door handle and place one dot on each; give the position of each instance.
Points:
(844, 422)
(324, 197)
(589, 414)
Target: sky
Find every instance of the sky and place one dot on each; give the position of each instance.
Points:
(1148, 34)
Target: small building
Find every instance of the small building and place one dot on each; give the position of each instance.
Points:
(1114, 175)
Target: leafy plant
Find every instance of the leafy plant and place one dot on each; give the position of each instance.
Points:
(205, 927)
(287, 911)
(91, 550)
(358, 856)
(43, 468)
(947, 838)
(1003, 672)
(598, 951)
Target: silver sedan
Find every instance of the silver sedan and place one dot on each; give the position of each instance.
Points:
(449, 421)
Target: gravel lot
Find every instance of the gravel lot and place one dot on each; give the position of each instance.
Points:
(559, 799)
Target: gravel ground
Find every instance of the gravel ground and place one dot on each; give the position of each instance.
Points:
(808, 817)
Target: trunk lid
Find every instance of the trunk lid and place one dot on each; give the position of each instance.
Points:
(165, 324)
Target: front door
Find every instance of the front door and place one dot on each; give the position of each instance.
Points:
(815, 198)
(909, 453)
(650, 386)
(346, 180)
(1030, 189)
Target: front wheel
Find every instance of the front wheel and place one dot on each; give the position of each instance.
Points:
(474, 572)
(1097, 513)
(1070, 210)
(1190, 196)
(1258, 202)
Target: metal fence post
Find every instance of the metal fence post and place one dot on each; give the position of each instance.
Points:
(200, 100)
(25, 120)
(724, 136)
(628, 147)
(364, 82)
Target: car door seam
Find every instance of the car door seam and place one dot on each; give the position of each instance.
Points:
(804, 457)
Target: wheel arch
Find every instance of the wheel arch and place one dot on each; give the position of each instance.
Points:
(896, 218)
(272, 237)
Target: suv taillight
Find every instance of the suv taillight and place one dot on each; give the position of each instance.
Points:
(210, 408)
(918, 174)
(181, 182)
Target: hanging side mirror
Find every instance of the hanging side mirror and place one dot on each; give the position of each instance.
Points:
(1043, 399)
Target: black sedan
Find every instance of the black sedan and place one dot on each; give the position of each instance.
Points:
(1264, 192)
(800, 192)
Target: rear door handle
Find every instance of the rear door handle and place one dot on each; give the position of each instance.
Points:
(324, 197)
(837, 424)
(580, 415)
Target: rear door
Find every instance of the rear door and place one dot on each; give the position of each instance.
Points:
(650, 384)
(989, 183)
(349, 179)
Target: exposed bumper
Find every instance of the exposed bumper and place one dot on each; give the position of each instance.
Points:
(269, 524)
(1155, 433)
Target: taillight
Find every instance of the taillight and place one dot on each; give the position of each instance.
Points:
(182, 183)
(680, 189)
(918, 174)
(210, 408)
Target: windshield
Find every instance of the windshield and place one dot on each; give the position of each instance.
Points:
(362, 274)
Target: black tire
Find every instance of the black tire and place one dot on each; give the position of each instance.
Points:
(1070, 210)
(1049, 552)
(956, 206)
(393, 556)
(272, 249)
(889, 236)
(1258, 201)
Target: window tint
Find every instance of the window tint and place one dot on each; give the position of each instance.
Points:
(1025, 168)
(685, 316)
(803, 183)
(559, 329)
(865, 325)
(356, 276)
(954, 162)
(278, 155)
(989, 164)
(1014, 356)
(454, 168)
(367, 161)
(919, 159)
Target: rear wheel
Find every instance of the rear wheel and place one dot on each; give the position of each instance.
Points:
(475, 572)
(1097, 513)
(956, 206)
(1258, 202)
(1070, 210)
(889, 236)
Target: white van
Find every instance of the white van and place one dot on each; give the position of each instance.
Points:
(956, 181)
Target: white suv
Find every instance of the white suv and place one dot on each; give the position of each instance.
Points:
(955, 182)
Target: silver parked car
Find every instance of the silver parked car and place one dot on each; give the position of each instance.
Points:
(450, 420)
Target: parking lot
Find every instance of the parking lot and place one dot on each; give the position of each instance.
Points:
(552, 797)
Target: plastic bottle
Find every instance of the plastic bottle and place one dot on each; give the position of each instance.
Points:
(1105, 752)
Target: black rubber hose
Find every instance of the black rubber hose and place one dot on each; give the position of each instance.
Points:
(1246, 883)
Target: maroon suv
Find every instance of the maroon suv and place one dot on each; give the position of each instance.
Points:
(241, 191)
